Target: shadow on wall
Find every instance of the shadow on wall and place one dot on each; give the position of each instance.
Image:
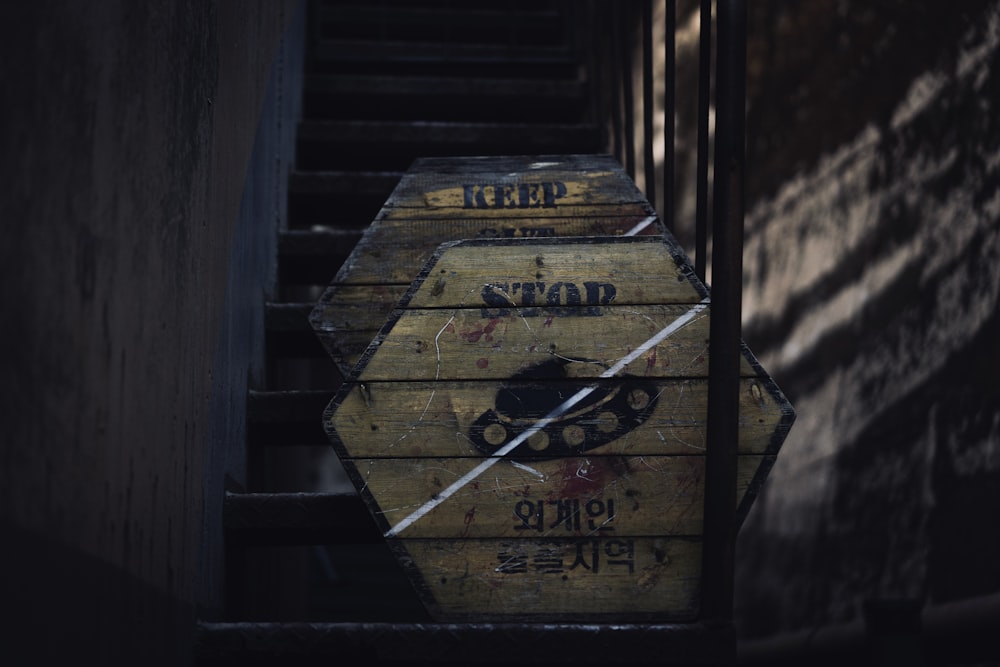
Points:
(872, 275)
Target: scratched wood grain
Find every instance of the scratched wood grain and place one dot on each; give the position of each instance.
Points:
(516, 187)
(624, 496)
(411, 419)
(443, 199)
(462, 344)
(506, 498)
(393, 250)
(588, 579)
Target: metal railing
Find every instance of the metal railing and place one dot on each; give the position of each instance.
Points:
(613, 68)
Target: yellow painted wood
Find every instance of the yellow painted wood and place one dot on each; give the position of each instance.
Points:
(640, 271)
(394, 250)
(413, 419)
(445, 199)
(600, 513)
(346, 308)
(589, 579)
(566, 497)
(460, 344)
(502, 188)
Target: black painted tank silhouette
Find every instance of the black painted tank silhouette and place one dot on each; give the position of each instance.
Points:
(615, 407)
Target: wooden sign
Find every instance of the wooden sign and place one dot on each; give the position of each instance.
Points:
(528, 429)
(445, 199)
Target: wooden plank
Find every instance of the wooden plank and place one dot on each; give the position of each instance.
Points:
(410, 419)
(589, 578)
(460, 344)
(551, 273)
(395, 249)
(545, 186)
(576, 496)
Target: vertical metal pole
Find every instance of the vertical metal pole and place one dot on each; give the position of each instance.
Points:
(669, 102)
(648, 161)
(724, 348)
(704, 85)
(615, 50)
(625, 31)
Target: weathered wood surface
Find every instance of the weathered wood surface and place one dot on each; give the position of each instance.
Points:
(445, 199)
(412, 419)
(456, 344)
(633, 496)
(592, 578)
(535, 405)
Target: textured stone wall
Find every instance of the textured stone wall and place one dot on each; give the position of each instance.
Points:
(127, 133)
(872, 294)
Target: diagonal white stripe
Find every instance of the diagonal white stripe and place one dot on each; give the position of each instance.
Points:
(565, 406)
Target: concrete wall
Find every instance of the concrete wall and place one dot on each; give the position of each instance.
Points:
(133, 267)
(872, 294)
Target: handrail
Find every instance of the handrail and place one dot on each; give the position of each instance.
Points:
(727, 224)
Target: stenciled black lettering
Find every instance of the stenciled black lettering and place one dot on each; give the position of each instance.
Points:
(474, 196)
(522, 195)
(496, 300)
(551, 192)
(554, 295)
(532, 298)
(599, 294)
(503, 196)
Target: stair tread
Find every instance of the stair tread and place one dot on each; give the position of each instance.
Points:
(317, 243)
(554, 643)
(299, 518)
(339, 182)
(400, 86)
(438, 131)
(378, 51)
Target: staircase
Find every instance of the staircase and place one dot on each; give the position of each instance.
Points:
(309, 577)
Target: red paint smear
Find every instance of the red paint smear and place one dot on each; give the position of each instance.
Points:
(470, 516)
(548, 322)
(584, 478)
(473, 335)
(488, 331)
(482, 362)
(651, 359)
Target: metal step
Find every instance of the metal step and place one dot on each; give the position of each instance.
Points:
(335, 199)
(289, 335)
(451, 98)
(467, 24)
(468, 643)
(362, 144)
(313, 257)
(431, 58)
(282, 519)
(287, 418)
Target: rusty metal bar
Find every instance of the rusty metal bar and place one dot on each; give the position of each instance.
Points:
(725, 344)
(669, 112)
(271, 519)
(625, 37)
(616, 81)
(704, 89)
(648, 161)
(240, 644)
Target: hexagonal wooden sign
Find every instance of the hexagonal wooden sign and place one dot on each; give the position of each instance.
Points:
(445, 199)
(528, 429)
